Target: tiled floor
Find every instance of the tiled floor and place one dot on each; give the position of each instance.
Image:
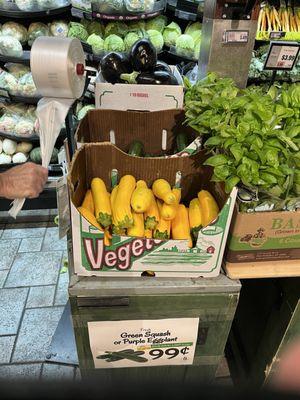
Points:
(33, 293)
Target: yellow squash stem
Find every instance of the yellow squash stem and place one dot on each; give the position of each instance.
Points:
(209, 207)
(152, 214)
(181, 226)
(141, 198)
(168, 212)
(162, 190)
(88, 202)
(195, 217)
(101, 202)
(122, 210)
(138, 229)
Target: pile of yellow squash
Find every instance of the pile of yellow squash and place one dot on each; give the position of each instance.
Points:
(133, 209)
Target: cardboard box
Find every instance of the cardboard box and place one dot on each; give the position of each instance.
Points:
(156, 130)
(264, 236)
(129, 256)
(139, 97)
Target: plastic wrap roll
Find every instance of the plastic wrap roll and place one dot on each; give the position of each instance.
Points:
(57, 66)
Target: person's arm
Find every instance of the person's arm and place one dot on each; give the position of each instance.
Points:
(25, 180)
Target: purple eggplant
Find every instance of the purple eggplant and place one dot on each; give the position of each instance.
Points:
(143, 56)
(162, 66)
(156, 78)
(113, 65)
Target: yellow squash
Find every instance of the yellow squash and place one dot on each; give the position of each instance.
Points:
(168, 211)
(101, 202)
(138, 229)
(195, 217)
(122, 211)
(162, 190)
(141, 197)
(113, 196)
(90, 217)
(148, 233)
(163, 228)
(92, 220)
(152, 214)
(181, 226)
(209, 207)
(88, 202)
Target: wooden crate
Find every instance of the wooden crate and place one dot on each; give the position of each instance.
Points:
(263, 269)
(213, 300)
(266, 321)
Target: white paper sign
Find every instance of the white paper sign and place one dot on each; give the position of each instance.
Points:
(143, 343)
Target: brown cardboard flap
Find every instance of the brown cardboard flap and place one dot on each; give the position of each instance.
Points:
(128, 126)
(98, 160)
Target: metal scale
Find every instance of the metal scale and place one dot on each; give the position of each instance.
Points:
(228, 36)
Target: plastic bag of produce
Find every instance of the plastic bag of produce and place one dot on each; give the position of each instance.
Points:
(26, 86)
(111, 6)
(48, 4)
(26, 5)
(139, 6)
(10, 46)
(8, 82)
(17, 70)
(8, 123)
(24, 127)
(35, 30)
(15, 30)
(59, 28)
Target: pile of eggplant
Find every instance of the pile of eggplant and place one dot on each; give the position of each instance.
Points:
(139, 66)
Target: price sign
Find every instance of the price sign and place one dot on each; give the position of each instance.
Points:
(235, 36)
(282, 56)
(143, 343)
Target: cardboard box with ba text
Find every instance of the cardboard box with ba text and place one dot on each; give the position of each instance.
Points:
(264, 236)
(128, 256)
(139, 97)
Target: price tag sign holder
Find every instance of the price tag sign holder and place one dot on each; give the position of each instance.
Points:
(282, 56)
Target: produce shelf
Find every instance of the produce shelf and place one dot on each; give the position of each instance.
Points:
(33, 14)
(24, 99)
(25, 59)
(32, 139)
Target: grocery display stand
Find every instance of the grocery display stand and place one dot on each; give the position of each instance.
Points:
(213, 301)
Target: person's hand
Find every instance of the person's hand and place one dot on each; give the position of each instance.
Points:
(25, 180)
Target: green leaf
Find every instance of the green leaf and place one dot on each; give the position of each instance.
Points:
(222, 172)
(237, 152)
(268, 178)
(217, 160)
(213, 141)
(230, 183)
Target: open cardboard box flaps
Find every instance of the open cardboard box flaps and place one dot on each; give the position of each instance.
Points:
(123, 127)
(129, 256)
